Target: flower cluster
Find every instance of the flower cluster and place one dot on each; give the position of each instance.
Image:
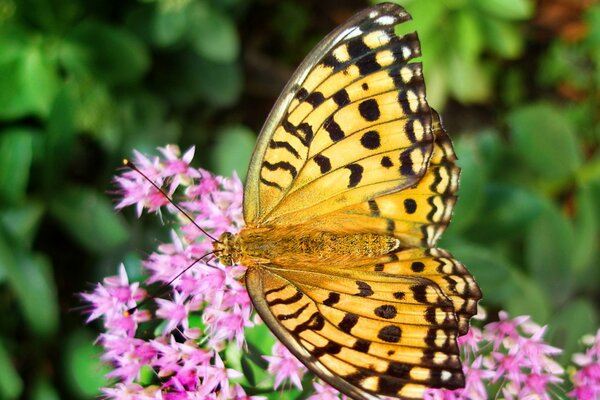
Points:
(511, 354)
(177, 347)
(207, 308)
(587, 379)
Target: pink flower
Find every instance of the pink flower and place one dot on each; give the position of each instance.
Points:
(284, 365)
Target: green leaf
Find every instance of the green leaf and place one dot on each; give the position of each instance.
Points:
(529, 299)
(260, 336)
(468, 39)
(15, 161)
(20, 223)
(574, 320)
(508, 211)
(30, 278)
(545, 140)
(472, 181)
(112, 54)
(586, 231)
(468, 79)
(212, 33)
(60, 137)
(502, 37)
(84, 370)
(232, 151)
(43, 390)
(169, 25)
(509, 9)
(11, 384)
(90, 219)
(29, 76)
(549, 253)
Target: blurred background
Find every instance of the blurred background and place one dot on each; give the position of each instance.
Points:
(82, 83)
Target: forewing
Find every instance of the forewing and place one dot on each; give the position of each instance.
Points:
(354, 106)
(366, 333)
(417, 215)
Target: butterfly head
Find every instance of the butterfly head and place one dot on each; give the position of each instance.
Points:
(227, 248)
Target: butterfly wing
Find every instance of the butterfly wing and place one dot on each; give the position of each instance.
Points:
(417, 215)
(366, 332)
(355, 105)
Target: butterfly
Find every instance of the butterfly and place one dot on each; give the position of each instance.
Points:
(352, 181)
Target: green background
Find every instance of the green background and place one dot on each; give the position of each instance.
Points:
(82, 83)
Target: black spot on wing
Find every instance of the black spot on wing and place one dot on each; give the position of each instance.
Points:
(289, 300)
(390, 334)
(374, 208)
(341, 98)
(334, 129)
(356, 173)
(386, 311)
(348, 322)
(364, 289)
(332, 299)
(316, 322)
(386, 162)
(323, 162)
(315, 99)
(369, 110)
(370, 140)
(410, 206)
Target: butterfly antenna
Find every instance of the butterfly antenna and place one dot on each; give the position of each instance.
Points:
(131, 165)
(163, 289)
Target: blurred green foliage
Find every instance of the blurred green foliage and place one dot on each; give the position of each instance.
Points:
(83, 83)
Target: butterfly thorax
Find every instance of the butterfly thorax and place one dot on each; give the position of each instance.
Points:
(299, 245)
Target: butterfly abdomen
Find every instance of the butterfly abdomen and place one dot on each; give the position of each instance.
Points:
(300, 245)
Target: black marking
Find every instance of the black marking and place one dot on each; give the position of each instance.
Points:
(398, 370)
(379, 267)
(329, 348)
(430, 315)
(374, 208)
(370, 140)
(365, 86)
(390, 334)
(410, 206)
(331, 61)
(323, 162)
(315, 99)
(357, 48)
(386, 311)
(417, 266)
(284, 145)
(451, 283)
(420, 293)
(391, 352)
(281, 165)
(332, 299)
(357, 377)
(316, 322)
(304, 128)
(406, 164)
(367, 64)
(356, 171)
(390, 386)
(285, 317)
(390, 226)
(275, 290)
(369, 110)
(362, 345)
(409, 129)
(301, 94)
(269, 183)
(399, 295)
(289, 300)
(348, 322)
(386, 162)
(364, 290)
(333, 128)
(341, 98)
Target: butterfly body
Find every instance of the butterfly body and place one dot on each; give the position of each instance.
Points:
(297, 246)
(352, 182)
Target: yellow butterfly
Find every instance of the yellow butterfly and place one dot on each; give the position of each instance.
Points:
(352, 181)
